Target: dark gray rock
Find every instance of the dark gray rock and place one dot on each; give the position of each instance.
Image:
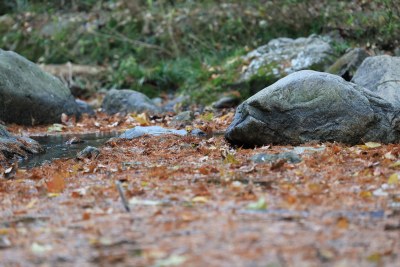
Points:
(226, 102)
(139, 131)
(29, 95)
(84, 107)
(182, 119)
(313, 106)
(381, 75)
(175, 104)
(127, 101)
(12, 147)
(290, 157)
(348, 64)
(283, 56)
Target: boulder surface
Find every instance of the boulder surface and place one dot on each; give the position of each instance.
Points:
(381, 75)
(30, 96)
(283, 56)
(313, 106)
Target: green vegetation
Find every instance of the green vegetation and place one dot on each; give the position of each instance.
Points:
(182, 45)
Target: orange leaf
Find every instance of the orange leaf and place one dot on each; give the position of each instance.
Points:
(56, 184)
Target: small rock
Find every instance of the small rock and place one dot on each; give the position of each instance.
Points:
(348, 64)
(182, 119)
(270, 158)
(74, 140)
(127, 101)
(139, 131)
(175, 104)
(89, 152)
(157, 101)
(150, 130)
(84, 107)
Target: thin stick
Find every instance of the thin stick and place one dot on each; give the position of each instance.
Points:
(122, 195)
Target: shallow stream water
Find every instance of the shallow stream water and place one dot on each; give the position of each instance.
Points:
(57, 147)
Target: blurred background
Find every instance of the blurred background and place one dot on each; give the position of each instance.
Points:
(183, 46)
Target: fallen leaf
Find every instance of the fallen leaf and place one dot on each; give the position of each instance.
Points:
(261, 204)
(372, 145)
(142, 119)
(393, 179)
(342, 223)
(365, 194)
(37, 248)
(200, 199)
(173, 260)
(56, 183)
(56, 127)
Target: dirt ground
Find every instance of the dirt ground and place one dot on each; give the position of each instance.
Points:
(194, 201)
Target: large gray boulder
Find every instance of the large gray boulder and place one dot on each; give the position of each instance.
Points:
(127, 101)
(29, 95)
(12, 147)
(381, 75)
(283, 56)
(313, 106)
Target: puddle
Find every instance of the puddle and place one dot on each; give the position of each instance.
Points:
(57, 148)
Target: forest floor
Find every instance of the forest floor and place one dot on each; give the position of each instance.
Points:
(200, 202)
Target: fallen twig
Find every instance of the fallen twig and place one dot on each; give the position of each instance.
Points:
(122, 195)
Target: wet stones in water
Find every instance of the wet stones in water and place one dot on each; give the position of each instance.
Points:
(127, 101)
(381, 75)
(139, 131)
(312, 106)
(12, 147)
(74, 140)
(271, 158)
(30, 96)
(89, 152)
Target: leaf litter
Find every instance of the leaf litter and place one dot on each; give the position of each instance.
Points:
(190, 201)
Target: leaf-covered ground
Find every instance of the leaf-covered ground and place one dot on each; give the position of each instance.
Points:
(200, 202)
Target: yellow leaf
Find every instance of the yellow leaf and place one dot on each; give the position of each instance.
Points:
(207, 116)
(4, 231)
(375, 257)
(53, 194)
(365, 194)
(261, 204)
(393, 179)
(372, 145)
(395, 165)
(342, 223)
(32, 203)
(230, 158)
(142, 118)
(200, 199)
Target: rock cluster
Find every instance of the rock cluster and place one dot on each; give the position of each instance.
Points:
(313, 106)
